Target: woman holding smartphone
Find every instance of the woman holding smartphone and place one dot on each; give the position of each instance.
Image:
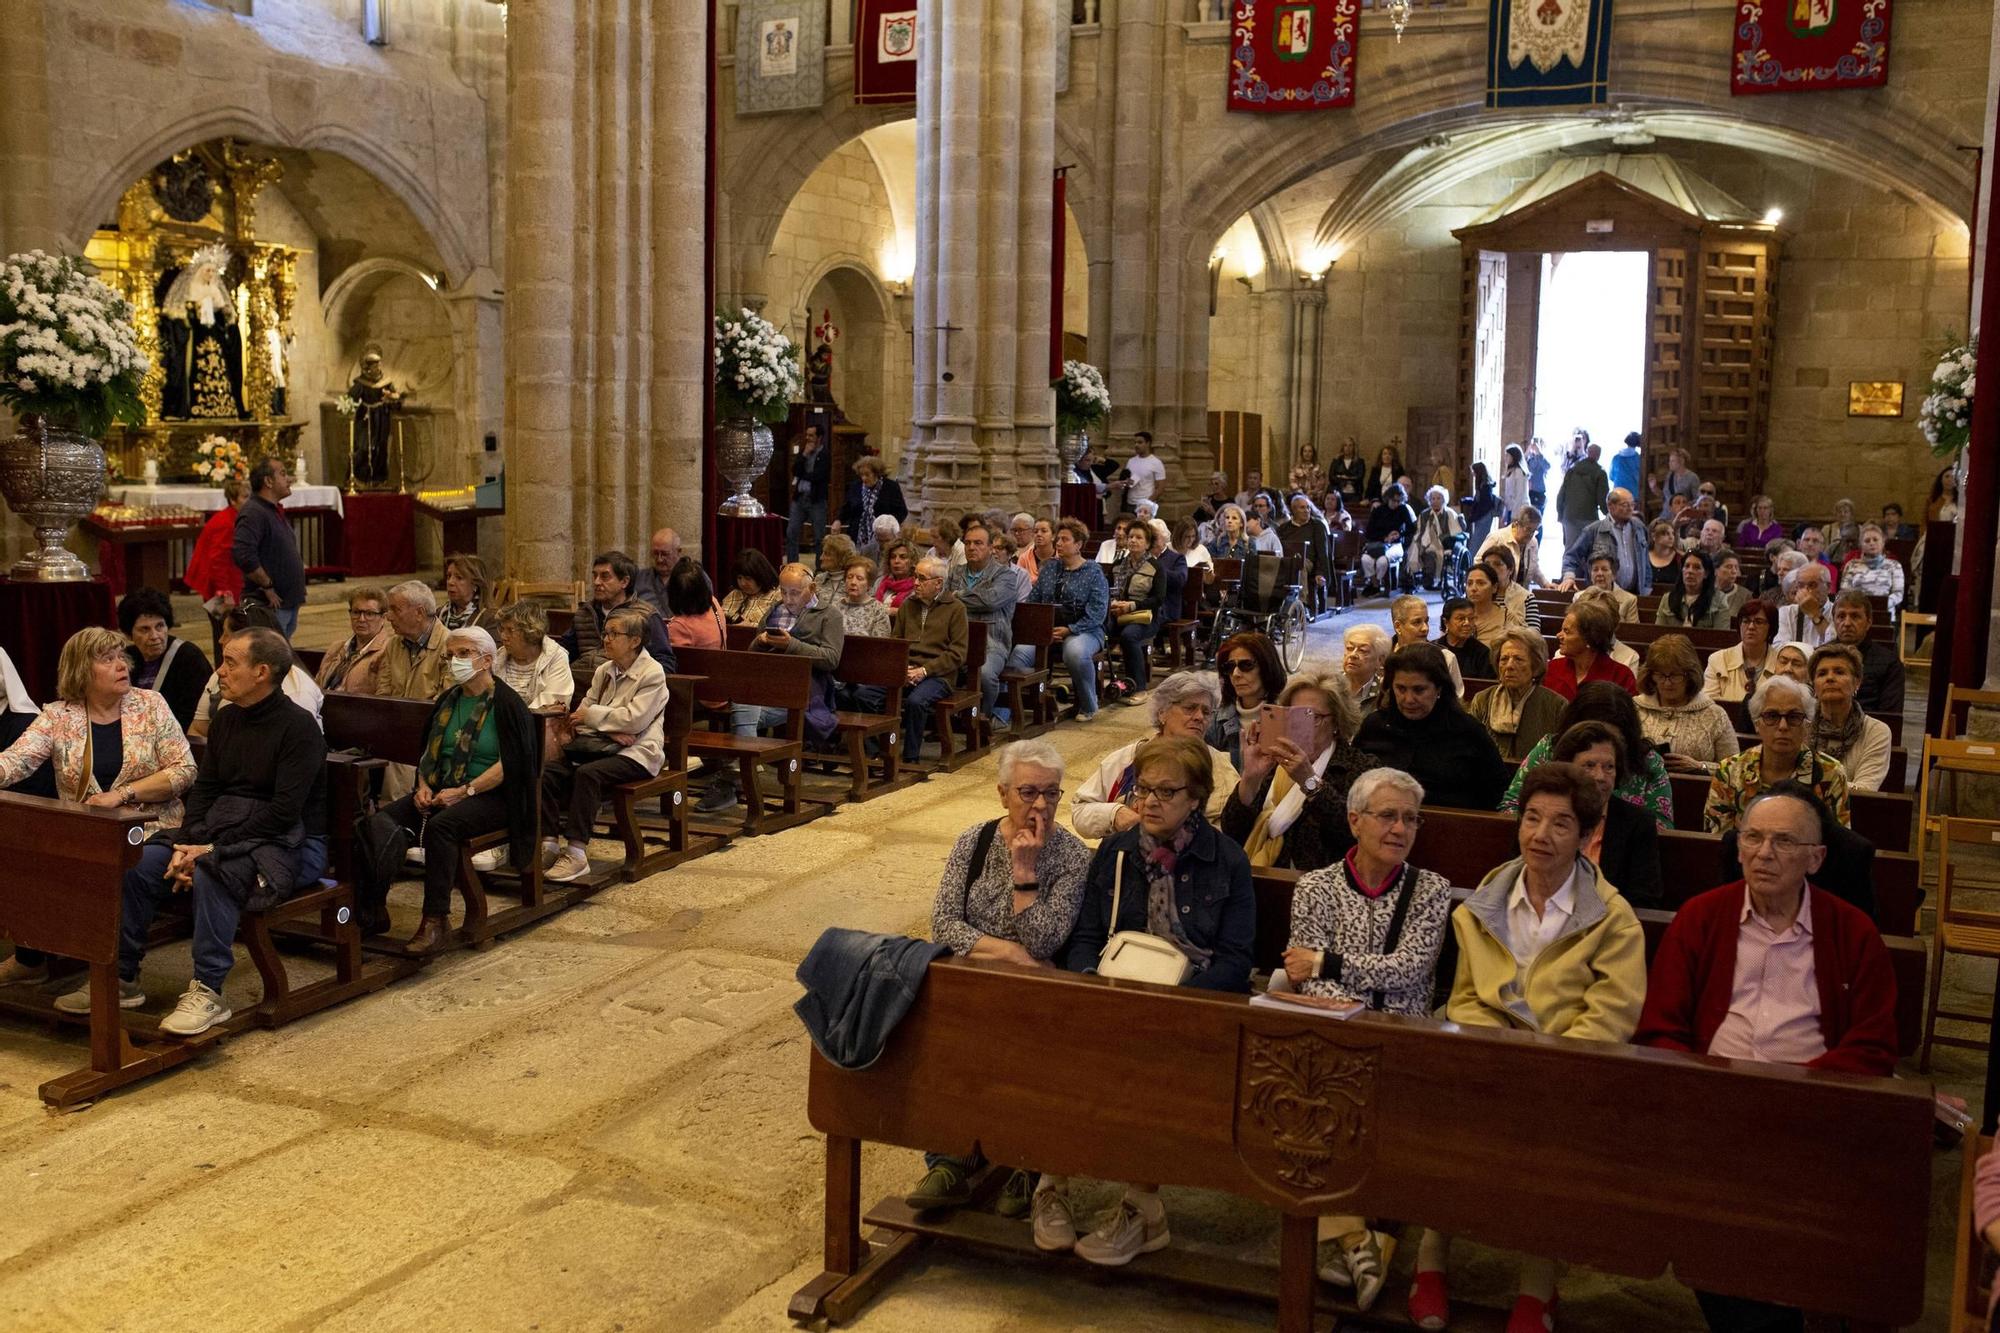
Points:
(1290, 804)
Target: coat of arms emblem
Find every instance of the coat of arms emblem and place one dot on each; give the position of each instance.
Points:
(1305, 1113)
(898, 38)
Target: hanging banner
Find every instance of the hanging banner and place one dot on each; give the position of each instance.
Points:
(1292, 55)
(780, 57)
(1548, 53)
(885, 51)
(1803, 46)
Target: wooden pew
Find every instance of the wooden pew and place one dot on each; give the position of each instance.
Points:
(1314, 1116)
(655, 845)
(959, 710)
(884, 664)
(764, 680)
(1884, 818)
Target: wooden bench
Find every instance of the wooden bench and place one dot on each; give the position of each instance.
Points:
(960, 709)
(1312, 1116)
(1029, 698)
(883, 664)
(1174, 645)
(762, 680)
(650, 845)
(1884, 818)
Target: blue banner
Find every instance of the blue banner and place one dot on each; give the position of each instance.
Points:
(1548, 53)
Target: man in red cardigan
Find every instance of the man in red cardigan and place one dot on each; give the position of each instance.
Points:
(1771, 967)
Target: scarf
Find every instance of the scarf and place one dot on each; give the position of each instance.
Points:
(1159, 859)
(895, 591)
(868, 494)
(440, 769)
(1838, 741)
(459, 619)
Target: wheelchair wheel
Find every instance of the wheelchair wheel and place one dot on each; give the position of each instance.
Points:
(1290, 627)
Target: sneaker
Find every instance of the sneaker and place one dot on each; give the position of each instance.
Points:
(1017, 1195)
(571, 864)
(1430, 1306)
(1532, 1315)
(1333, 1264)
(14, 972)
(1002, 719)
(199, 1010)
(489, 860)
(130, 996)
(551, 849)
(415, 856)
(1124, 1238)
(1055, 1225)
(722, 796)
(943, 1186)
(1364, 1265)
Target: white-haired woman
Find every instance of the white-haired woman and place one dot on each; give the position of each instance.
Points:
(1010, 892)
(1364, 648)
(1183, 704)
(1367, 929)
(1289, 807)
(1438, 528)
(1782, 710)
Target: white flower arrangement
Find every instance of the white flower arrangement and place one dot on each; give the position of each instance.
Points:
(69, 350)
(757, 372)
(1946, 415)
(217, 459)
(347, 405)
(1082, 399)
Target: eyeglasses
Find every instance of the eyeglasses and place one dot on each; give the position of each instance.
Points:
(1241, 664)
(1191, 707)
(1146, 792)
(1782, 719)
(357, 614)
(1037, 795)
(1396, 818)
(1784, 844)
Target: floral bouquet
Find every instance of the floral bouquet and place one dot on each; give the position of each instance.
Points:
(217, 459)
(346, 405)
(69, 351)
(757, 370)
(1946, 415)
(1082, 400)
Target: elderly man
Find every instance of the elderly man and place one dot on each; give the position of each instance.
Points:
(267, 550)
(989, 587)
(1518, 539)
(933, 622)
(1809, 618)
(1882, 684)
(619, 723)
(650, 583)
(817, 633)
(1713, 541)
(1022, 529)
(612, 577)
(253, 834)
(413, 659)
(352, 664)
(1624, 536)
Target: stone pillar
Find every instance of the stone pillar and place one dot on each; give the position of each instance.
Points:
(984, 413)
(27, 203)
(604, 294)
(1302, 381)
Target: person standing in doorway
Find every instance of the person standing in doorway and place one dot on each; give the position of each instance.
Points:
(1626, 468)
(1538, 475)
(1581, 500)
(267, 550)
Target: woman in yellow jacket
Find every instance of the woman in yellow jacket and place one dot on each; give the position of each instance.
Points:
(1548, 945)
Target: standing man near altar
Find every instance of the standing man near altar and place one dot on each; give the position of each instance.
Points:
(267, 550)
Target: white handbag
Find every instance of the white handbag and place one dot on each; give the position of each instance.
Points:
(1134, 955)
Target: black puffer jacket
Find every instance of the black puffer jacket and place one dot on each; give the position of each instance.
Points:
(1449, 752)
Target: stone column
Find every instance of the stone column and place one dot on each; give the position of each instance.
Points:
(1302, 380)
(27, 204)
(984, 412)
(604, 294)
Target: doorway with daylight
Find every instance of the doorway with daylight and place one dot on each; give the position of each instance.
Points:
(1590, 353)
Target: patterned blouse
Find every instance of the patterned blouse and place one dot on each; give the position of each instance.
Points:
(152, 740)
(1648, 788)
(1740, 777)
(1347, 926)
(959, 918)
(867, 617)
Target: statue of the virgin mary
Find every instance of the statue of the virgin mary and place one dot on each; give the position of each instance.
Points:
(201, 347)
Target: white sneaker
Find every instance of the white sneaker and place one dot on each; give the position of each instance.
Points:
(1055, 1227)
(199, 1010)
(571, 864)
(130, 996)
(1124, 1238)
(551, 849)
(1365, 1267)
(489, 860)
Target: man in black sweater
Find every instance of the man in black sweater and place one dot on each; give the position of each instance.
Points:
(267, 550)
(254, 832)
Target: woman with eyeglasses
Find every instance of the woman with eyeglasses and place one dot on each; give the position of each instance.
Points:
(1183, 704)
(1367, 929)
(1782, 710)
(1289, 807)
(1425, 731)
(1177, 878)
(1250, 674)
(1010, 892)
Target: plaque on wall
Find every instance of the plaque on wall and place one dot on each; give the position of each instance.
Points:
(1875, 398)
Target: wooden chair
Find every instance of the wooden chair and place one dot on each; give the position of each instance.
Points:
(1176, 637)
(1944, 763)
(1908, 640)
(567, 594)
(1972, 1269)
(765, 680)
(1959, 701)
(1973, 932)
(1029, 698)
(884, 664)
(656, 845)
(963, 703)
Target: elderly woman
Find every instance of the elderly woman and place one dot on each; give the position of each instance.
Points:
(1138, 590)
(109, 746)
(1626, 844)
(531, 663)
(465, 593)
(1438, 527)
(615, 735)
(1843, 535)
(1251, 676)
(1228, 539)
(1289, 807)
(1183, 705)
(1794, 660)
(899, 578)
(860, 613)
(1010, 893)
(694, 617)
(1518, 711)
(1426, 732)
(1861, 743)
(1363, 650)
(1171, 875)
(1646, 785)
(352, 663)
(755, 591)
(1547, 944)
(1731, 592)
(162, 662)
(1693, 730)
(1733, 672)
(1588, 631)
(1367, 929)
(1782, 710)
(1694, 601)
(479, 733)
(1874, 573)
(829, 570)
(1392, 525)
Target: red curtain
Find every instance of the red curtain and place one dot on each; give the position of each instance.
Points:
(885, 51)
(1058, 254)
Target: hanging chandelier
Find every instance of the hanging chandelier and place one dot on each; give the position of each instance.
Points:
(1399, 14)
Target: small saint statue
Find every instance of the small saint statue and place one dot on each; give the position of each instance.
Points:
(201, 348)
(373, 425)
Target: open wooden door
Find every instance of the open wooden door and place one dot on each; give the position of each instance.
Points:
(1666, 363)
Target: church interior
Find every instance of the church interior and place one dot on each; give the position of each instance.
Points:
(472, 276)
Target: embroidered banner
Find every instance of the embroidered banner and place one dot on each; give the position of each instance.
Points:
(780, 56)
(1292, 55)
(1802, 46)
(885, 51)
(1548, 53)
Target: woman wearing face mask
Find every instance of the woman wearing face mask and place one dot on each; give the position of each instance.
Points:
(479, 733)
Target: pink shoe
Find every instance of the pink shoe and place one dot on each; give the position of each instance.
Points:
(1532, 1316)
(1430, 1307)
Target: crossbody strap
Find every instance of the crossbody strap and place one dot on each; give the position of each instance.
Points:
(1117, 883)
(1394, 936)
(980, 849)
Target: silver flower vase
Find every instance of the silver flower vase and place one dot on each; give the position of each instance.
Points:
(1074, 446)
(51, 477)
(742, 451)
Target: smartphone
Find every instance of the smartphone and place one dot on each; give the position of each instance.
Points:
(1295, 724)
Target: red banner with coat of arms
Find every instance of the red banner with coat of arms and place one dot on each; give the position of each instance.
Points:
(885, 51)
(1292, 55)
(1803, 46)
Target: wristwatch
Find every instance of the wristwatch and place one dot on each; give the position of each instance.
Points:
(125, 796)
(1311, 785)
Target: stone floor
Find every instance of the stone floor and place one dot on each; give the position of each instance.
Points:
(600, 1124)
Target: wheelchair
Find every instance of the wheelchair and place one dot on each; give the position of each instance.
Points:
(1457, 563)
(1266, 599)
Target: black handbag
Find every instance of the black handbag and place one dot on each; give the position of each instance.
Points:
(590, 745)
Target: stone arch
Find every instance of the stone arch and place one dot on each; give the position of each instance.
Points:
(865, 360)
(361, 281)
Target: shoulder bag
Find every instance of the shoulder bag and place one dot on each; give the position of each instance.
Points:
(1135, 955)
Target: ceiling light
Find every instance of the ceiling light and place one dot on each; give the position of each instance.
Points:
(1772, 217)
